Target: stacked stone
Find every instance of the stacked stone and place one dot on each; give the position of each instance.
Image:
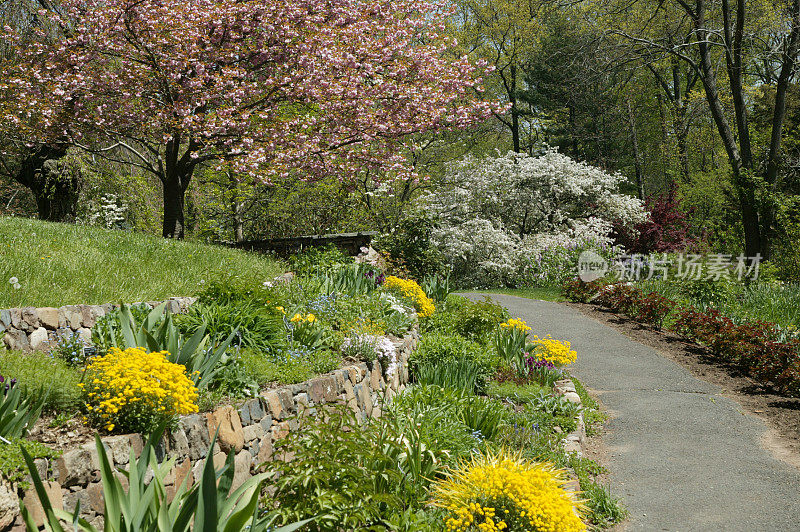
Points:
(32, 329)
(249, 431)
(574, 442)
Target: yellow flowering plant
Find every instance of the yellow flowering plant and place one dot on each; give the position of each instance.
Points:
(132, 390)
(306, 329)
(558, 353)
(500, 491)
(411, 292)
(510, 340)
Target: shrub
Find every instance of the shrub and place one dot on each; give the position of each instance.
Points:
(501, 491)
(757, 347)
(410, 291)
(579, 291)
(135, 391)
(477, 321)
(350, 475)
(444, 349)
(409, 244)
(628, 299)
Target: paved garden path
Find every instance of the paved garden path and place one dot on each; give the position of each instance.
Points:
(681, 456)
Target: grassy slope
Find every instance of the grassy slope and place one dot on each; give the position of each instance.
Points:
(61, 264)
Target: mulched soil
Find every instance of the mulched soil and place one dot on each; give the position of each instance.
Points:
(780, 413)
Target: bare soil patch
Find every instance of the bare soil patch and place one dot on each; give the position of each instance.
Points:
(780, 413)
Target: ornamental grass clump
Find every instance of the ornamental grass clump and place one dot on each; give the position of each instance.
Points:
(135, 391)
(411, 292)
(501, 491)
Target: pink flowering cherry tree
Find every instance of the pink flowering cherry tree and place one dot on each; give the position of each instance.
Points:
(296, 88)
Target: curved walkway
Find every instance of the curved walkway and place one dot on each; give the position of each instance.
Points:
(680, 455)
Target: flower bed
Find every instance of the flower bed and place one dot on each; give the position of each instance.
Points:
(373, 458)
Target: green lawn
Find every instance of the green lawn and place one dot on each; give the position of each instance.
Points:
(62, 264)
(543, 293)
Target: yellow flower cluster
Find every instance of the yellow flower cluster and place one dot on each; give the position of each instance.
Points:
(516, 323)
(132, 390)
(301, 318)
(501, 491)
(555, 351)
(413, 293)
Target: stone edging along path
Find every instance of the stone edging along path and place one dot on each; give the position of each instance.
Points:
(574, 441)
(249, 430)
(32, 328)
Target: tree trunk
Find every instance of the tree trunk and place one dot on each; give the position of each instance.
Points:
(177, 173)
(55, 185)
(512, 94)
(174, 194)
(637, 156)
(741, 177)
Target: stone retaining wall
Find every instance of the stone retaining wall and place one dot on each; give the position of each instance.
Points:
(31, 328)
(248, 430)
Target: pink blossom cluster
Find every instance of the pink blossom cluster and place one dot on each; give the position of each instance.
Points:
(273, 87)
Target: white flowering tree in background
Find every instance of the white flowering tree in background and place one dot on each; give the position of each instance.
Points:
(502, 217)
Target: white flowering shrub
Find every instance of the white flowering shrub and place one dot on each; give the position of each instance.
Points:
(517, 219)
(108, 212)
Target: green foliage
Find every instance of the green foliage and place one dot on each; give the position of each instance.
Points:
(443, 348)
(479, 320)
(437, 287)
(249, 324)
(42, 376)
(593, 417)
(265, 368)
(476, 321)
(139, 504)
(605, 510)
(461, 375)
(105, 266)
(518, 393)
(350, 279)
(554, 405)
(350, 475)
(410, 245)
(157, 332)
(12, 463)
(317, 259)
(18, 411)
(376, 307)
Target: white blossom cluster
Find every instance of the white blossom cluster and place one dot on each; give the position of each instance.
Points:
(381, 345)
(109, 212)
(497, 214)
